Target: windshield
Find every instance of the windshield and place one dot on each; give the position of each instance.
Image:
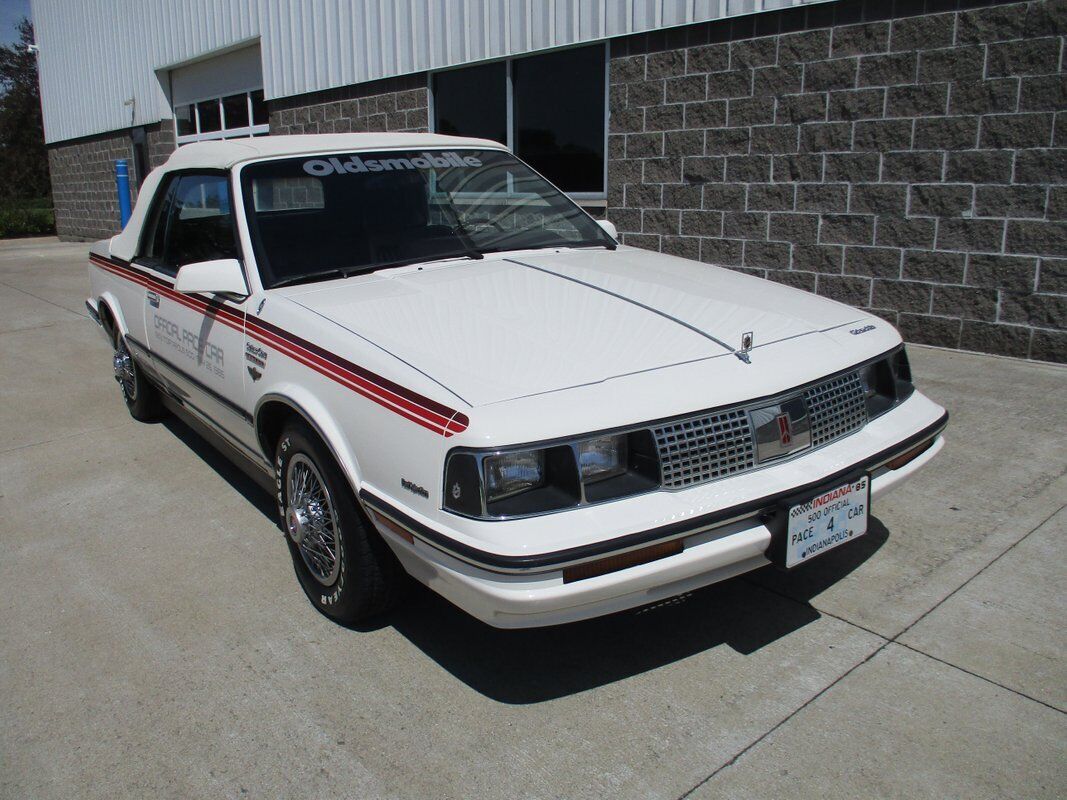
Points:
(319, 217)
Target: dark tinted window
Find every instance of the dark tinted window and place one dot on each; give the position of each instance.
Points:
(559, 116)
(210, 119)
(201, 222)
(235, 109)
(259, 108)
(153, 239)
(472, 102)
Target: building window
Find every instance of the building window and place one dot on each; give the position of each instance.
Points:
(230, 117)
(551, 109)
(473, 102)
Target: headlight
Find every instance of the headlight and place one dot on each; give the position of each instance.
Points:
(508, 474)
(516, 483)
(521, 482)
(602, 458)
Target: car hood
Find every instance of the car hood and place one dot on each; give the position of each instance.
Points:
(541, 321)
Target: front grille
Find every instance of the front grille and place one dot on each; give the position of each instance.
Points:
(705, 448)
(836, 407)
(721, 443)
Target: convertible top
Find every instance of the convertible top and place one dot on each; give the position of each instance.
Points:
(224, 154)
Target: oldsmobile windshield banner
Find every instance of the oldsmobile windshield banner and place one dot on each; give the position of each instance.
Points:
(320, 167)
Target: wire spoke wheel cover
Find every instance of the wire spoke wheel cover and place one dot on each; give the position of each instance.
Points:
(124, 371)
(311, 520)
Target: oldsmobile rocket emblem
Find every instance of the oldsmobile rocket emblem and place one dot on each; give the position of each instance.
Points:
(746, 345)
(785, 430)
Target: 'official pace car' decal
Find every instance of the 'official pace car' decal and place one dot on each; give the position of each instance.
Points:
(194, 347)
(421, 410)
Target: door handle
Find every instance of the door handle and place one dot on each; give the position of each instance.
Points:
(153, 299)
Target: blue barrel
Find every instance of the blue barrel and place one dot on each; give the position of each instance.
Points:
(122, 183)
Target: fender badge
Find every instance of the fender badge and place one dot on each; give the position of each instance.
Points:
(746, 345)
(414, 488)
(255, 373)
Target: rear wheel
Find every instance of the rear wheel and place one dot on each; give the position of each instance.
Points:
(343, 566)
(141, 397)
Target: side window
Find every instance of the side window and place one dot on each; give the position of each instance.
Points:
(154, 236)
(201, 221)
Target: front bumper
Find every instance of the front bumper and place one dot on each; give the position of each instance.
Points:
(517, 591)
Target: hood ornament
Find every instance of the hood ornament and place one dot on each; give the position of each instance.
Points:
(746, 345)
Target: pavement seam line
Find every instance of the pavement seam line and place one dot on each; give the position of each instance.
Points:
(980, 677)
(967, 582)
(913, 648)
(737, 756)
(60, 438)
(43, 300)
(885, 643)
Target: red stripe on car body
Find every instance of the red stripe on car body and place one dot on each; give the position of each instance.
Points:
(412, 406)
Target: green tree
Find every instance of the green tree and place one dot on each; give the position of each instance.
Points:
(23, 158)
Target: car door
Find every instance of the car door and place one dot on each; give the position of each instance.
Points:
(196, 341)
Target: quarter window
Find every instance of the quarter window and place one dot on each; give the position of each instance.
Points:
(154, 239)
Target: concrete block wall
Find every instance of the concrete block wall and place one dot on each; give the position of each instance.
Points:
(83, 179)
(394, 104)
(895, 156)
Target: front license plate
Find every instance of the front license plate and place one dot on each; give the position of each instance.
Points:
(827, 520)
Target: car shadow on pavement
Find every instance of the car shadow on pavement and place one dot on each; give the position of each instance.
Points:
(256, 495)
(746, 614)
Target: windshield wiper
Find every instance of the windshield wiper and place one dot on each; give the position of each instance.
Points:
(547, 245)
(348, 272)
(406, 262)
(463, 236)
(321, 275)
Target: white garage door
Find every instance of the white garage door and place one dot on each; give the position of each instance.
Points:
(220, 97)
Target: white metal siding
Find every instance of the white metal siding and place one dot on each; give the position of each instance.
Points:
(96, 54)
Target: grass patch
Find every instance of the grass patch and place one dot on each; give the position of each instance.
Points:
(26, 218)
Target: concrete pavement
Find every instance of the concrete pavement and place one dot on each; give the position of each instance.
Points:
(154, 641)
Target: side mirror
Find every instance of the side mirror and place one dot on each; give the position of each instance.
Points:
(609, 228)
(223, 276)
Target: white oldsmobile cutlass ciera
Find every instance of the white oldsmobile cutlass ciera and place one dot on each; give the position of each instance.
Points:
(441, 366)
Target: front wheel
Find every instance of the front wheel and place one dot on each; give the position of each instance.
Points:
(343, 566)
(141, 397)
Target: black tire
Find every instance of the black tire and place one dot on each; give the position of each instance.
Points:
(364, 578)
(140, 395)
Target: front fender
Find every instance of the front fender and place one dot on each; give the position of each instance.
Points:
(306, 405)
(108, 298)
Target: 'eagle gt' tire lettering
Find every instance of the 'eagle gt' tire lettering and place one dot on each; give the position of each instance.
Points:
(343, 566)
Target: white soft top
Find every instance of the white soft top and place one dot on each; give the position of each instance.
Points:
(225, 154)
